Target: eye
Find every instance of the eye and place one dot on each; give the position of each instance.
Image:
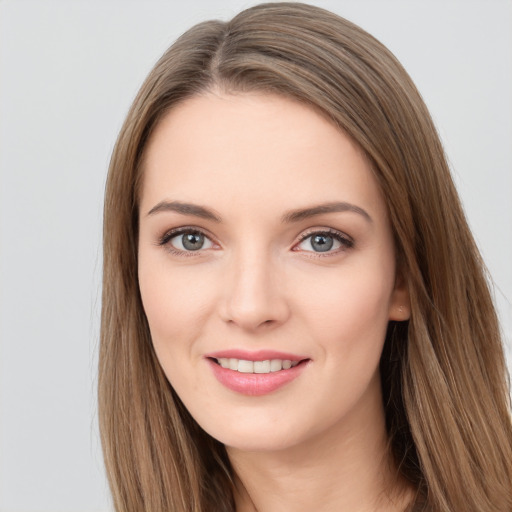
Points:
(186, 240)
(324, 242)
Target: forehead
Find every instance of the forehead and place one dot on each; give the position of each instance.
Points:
(254, 150)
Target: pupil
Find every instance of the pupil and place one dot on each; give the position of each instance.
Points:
(193, 241)
(322, 243)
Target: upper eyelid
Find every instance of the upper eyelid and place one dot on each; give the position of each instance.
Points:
(331, 231)
(346, 241)
(164, 241)
(168, 234)
(185, 229)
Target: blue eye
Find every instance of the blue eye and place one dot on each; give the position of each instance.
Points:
(187, 240)
(324, 242)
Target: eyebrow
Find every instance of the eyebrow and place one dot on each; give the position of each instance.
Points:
(185, 209)
(289, 217)
(306, 213)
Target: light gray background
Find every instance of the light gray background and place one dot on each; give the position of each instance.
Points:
(68, 72)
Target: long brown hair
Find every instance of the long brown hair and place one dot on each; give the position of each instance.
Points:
(443, 372)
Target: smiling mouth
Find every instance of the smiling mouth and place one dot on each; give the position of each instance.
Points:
(245, 366)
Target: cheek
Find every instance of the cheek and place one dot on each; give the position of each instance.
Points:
(349, 307)
(348, 321)
(174, 300)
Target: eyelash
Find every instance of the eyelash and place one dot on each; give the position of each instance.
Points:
(164, 240)
(345, 241)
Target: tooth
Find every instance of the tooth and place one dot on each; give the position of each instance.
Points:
(245, 366)
(267, 366)
(276, 365)
(261, 366)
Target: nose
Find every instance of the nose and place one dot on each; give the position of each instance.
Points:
(254, 294)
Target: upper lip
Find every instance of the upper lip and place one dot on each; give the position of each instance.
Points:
(256, 355)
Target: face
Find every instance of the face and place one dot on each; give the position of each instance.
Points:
(266, 268)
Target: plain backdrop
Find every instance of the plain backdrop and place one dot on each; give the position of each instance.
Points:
(68, 72)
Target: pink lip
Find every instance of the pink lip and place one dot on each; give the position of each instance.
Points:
(255, 384)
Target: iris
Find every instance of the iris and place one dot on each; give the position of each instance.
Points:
(322, 242)
(192, 241)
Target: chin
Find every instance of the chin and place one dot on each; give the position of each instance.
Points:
(256, 441)
(260, 434)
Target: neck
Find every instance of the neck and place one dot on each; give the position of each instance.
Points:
(346, 469)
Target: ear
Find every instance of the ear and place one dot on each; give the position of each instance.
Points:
(400, 304)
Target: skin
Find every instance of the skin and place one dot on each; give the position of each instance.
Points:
(319, 442)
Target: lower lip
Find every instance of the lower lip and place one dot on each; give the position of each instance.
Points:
(255, 384)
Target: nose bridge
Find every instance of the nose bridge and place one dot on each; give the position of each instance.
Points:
(254, 295)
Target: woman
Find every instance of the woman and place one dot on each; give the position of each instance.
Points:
(288, 323)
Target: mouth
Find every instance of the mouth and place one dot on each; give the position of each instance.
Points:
(260, 367)
(257, 373)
